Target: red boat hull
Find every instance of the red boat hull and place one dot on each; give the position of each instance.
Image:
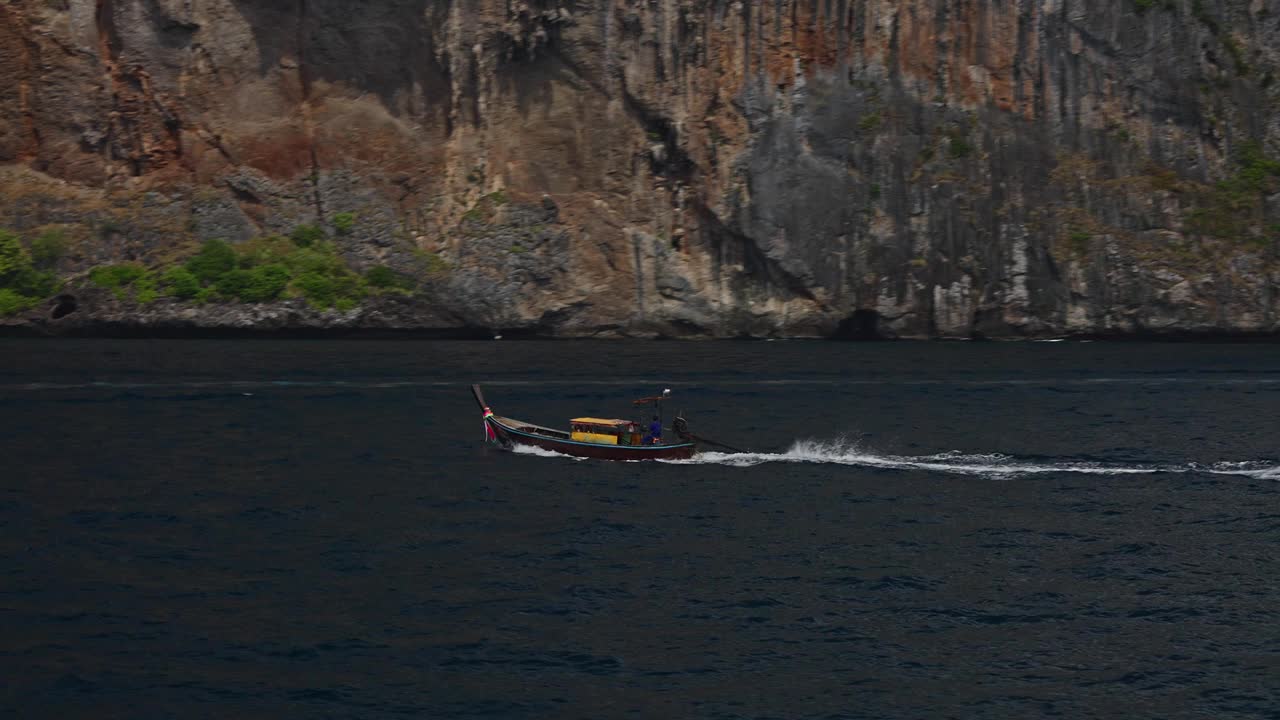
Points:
(509, 432)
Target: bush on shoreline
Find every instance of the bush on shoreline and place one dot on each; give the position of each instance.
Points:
(22, 284)
(261, 270)
(305, 264)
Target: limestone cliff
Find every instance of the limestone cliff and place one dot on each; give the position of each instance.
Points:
(675, 167)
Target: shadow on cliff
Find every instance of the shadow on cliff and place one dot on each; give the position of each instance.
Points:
(386, 48)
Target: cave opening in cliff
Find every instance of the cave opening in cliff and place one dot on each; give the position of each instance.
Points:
(861, 325)
(65, 305)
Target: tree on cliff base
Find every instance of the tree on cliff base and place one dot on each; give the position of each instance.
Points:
(21, 284)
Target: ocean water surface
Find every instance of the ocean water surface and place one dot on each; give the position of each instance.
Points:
(257, 528)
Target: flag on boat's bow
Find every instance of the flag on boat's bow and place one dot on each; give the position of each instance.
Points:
(489, 434)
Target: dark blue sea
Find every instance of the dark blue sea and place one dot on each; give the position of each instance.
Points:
(315, 529)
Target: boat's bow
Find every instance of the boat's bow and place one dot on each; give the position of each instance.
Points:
(490, 431)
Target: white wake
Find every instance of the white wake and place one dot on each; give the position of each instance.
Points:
(845, 452)
(540, 452)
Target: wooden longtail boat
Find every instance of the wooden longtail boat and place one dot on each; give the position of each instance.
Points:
(602, 438)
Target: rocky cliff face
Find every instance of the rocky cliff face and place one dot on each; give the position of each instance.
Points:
(676, 167)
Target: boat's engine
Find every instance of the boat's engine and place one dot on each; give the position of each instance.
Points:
(681, 428)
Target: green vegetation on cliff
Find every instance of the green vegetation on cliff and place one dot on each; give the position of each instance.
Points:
(385, 278)
(24, 279)
(264, 269)
(306, 235)
(1229, 209)
(181, 283)
(215, 259)
(305, 265)
(344, 223)
(119, 279)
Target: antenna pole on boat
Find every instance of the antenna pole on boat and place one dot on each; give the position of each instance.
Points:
(666, 393)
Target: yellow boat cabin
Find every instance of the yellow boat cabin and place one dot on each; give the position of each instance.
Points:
(604, 431)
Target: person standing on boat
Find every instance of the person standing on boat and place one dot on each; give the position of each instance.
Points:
(655, 432)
